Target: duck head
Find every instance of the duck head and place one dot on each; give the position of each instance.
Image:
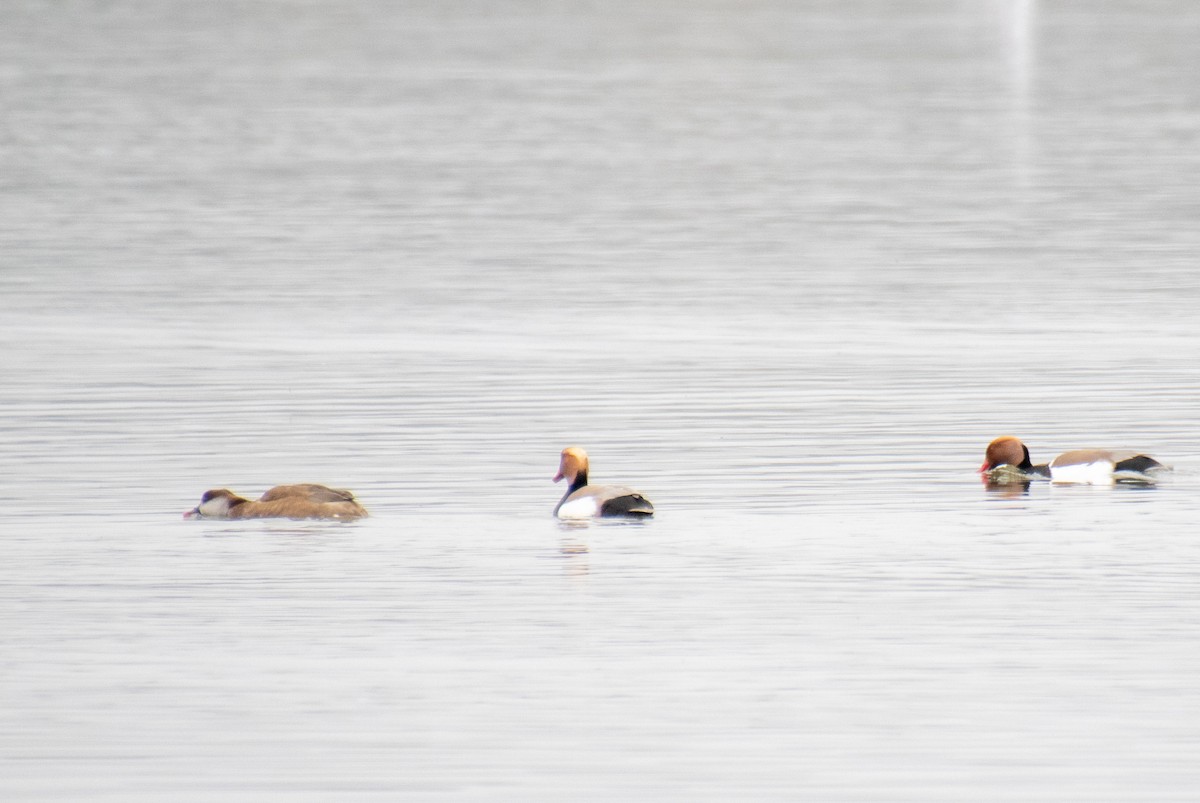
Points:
(573, 467)
(215, 504)
(1005, 451)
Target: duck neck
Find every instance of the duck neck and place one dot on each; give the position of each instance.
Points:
(1026, 464)
(1028, 467)
(577, 483)
(238, 507)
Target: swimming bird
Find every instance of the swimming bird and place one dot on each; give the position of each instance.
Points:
(583, 501)
(306, 501)
(1007, 459)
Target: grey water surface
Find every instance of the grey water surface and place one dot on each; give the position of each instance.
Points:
(785, 267)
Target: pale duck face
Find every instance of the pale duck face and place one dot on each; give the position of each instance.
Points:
(214, 504)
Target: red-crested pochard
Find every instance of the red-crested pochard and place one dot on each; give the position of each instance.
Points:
(305, 501)
(1007, 459)
(583, 501)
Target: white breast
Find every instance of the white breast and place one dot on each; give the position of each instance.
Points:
(1097, 472)
(581, 507)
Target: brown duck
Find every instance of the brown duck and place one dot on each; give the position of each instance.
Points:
(306, 501)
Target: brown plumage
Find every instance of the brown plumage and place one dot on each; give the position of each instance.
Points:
(306, 501)
(1009, 451)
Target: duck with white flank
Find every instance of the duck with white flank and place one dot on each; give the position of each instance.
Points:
(305, 501)
(583, 501)
(1007, 460)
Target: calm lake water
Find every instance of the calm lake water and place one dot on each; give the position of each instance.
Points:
(784, 267)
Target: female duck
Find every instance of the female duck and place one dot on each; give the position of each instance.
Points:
(281, 502)
(1008, 459)
(583, 501)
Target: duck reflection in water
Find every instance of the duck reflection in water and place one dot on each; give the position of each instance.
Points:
(575, 554)
(1009, 488)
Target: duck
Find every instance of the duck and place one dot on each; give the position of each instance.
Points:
(583, 501)
(1007, 459)
(303, 501)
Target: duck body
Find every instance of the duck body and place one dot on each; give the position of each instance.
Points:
(1007, 460)
(594, 501)
(1103, 467)
(583, 501)
(306, 501)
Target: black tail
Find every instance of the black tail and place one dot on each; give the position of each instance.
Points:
(1141, 464)
(631, 506)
